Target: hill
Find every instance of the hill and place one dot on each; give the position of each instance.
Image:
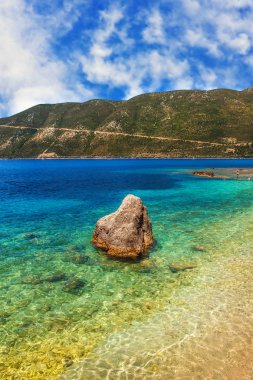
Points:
(192, 123)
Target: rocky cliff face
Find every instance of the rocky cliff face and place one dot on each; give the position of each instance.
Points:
(168, 124)
(126, 233)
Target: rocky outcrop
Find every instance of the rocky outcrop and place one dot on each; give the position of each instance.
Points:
(48, 155)
(126, 233)
(209, 174)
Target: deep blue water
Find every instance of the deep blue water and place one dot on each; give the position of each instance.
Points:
(34, 191)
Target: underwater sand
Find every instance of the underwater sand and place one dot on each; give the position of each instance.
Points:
(129, 321)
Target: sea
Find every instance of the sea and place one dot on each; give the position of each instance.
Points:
(67, 311)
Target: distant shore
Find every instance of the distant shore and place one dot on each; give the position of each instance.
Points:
(226, 173)
(125, 158)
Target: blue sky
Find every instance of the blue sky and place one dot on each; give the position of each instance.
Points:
(75, 50)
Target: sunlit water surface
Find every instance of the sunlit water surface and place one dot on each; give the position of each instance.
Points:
(127, 320)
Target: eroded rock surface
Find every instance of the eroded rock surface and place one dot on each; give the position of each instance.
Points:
(48, 155)
(126, 233)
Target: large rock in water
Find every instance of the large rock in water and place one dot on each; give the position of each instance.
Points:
(127, 232)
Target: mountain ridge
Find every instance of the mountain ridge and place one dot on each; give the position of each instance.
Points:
(181, 123)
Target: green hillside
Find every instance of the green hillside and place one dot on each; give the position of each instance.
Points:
(217, 123)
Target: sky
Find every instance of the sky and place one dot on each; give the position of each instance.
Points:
(74, 50)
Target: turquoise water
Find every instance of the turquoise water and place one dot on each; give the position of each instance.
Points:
(48, 211)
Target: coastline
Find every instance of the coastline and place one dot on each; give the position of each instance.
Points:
(125, 158)
(191, 218)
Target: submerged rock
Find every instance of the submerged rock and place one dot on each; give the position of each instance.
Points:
(30, 236)
(181, 267)
(32, 280)
(147, 264)
(68, 363)
(79, 259)
(126, 233)
(199, 248)
(73, 284)
(59, 276)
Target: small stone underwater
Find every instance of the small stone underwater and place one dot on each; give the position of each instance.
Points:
(67, 310)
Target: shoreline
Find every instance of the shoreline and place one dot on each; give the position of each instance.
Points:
(123, 158)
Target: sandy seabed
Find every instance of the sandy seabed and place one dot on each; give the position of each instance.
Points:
(204, 332)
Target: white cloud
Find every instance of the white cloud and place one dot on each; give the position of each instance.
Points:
(104, 63)
(154, 31)
(239, 43)
(191, 6)
(249, 60)
(233, 4)
(135, 71)
(197, 38)
(216, 25)
(164, 66)
(171, 45)
(208, 77)
(184, 83)
(109, 19)
(30, 73)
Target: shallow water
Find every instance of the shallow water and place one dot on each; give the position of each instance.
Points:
(137, 320)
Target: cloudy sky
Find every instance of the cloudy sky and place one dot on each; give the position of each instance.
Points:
(75, 50)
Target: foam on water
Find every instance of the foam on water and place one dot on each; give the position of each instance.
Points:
(138, 319)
